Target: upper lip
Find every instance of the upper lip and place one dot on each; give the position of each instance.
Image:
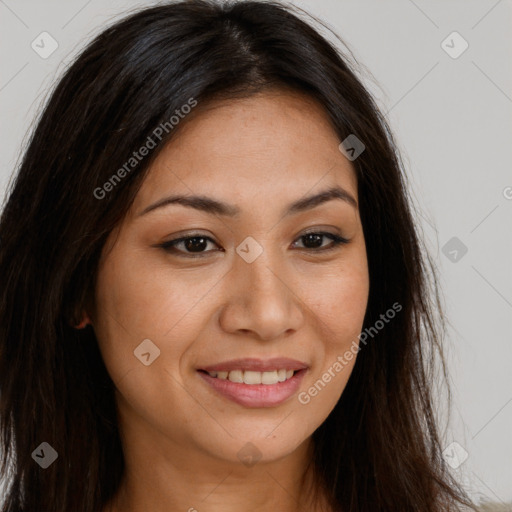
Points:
(257, 365)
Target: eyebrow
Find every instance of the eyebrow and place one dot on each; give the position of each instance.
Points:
(212, 206)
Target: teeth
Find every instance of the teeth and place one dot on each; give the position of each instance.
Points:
(251, 377)
(269, 377)
(236, 376)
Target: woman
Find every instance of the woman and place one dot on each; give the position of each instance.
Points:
(213, 293)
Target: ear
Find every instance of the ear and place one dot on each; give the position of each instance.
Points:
(82, 311)
(83, 321)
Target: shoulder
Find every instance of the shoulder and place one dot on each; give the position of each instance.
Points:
(495, 507)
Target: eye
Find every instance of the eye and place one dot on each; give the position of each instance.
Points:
(313, 241)
(193, 246)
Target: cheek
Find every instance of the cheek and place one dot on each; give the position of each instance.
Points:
(338, 301)
(140, 298)
(145, 302)
(136, 301)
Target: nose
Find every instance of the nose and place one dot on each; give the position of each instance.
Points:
(260, 300)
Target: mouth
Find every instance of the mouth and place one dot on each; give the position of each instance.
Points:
(254, 383)
(253, 378)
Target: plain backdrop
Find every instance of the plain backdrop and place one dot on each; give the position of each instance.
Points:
(450, 108)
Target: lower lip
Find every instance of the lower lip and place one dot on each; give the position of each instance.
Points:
(256, 395)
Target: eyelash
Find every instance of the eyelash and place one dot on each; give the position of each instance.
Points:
(170, 245)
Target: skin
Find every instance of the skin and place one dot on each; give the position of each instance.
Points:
(181, 438)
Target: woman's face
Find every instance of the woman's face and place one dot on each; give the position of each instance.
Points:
(247, 285)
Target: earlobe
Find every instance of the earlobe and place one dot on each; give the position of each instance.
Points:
(84, 322)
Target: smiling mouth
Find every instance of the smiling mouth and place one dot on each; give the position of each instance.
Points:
(254, 389)
(252, 377)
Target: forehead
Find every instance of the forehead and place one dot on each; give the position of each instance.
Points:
(273, 145)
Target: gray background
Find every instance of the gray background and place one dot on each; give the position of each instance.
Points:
(452, 119)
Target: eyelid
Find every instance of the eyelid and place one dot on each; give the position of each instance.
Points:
(169, 245)
(337, 240)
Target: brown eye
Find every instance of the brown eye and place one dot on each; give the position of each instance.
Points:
(314, 241)
(190, 245)
(195, 246)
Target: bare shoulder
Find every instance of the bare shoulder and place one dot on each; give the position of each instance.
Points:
(495, 507)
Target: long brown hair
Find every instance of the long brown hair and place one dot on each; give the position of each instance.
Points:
(379, 449)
